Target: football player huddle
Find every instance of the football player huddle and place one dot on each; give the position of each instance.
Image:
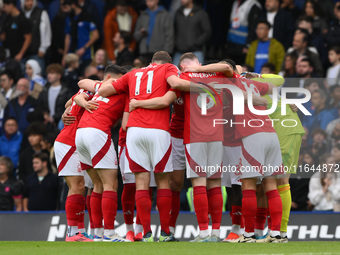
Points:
(207, 140)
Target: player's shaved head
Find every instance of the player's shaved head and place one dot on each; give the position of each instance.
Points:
(161, 57)
(115, 71)
(188, 58)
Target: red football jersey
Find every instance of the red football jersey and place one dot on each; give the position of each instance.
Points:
(177, 118)
(229, 131)
(146, 83)
(198, 127)
(110, 109)
(247, 128)
(68, 134)
(122, 133)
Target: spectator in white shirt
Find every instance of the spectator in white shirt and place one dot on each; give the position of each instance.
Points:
(324, 185)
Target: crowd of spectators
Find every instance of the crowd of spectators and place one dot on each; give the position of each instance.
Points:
(47, 46)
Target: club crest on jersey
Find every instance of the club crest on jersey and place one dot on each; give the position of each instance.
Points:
(179, 101)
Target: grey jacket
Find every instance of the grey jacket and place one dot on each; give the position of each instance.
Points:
(193, 31)
(162, 37)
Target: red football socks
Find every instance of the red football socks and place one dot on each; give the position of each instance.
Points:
(275, 209)
(109, 208)
(96, 210)
(143, 203)
(88, 205)
(164, 204)
(175, 206)
(201, 206)
(128, 202)
(236, 215)
(261, 217)
(249, 208)
(74, 208)
(215, 201)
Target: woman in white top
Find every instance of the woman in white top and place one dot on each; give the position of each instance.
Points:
(333, 72)
(324, 185)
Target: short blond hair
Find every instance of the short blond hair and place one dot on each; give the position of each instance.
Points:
(71, 58)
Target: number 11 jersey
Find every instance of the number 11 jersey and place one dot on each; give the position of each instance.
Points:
(146, 83)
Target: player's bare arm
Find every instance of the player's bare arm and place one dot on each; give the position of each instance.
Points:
(106, 89)
(257, 100)
(68, 103)
(67, 118)
(125, 120)
(180, 84)
(88, 84)
(211, 68)
(88, 105)
(154, 103)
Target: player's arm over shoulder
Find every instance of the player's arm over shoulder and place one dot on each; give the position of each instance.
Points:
(154, 103)
(88, 84)
(273, 81)
(226, 69)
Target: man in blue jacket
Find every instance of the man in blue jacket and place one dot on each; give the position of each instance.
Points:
(10, 141)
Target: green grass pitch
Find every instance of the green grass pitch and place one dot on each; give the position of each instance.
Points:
(51, 248)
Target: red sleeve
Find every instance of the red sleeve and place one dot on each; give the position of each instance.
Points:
(178, 93)
(262, 87)
(122, 84)
(171, 70)
(126, 99)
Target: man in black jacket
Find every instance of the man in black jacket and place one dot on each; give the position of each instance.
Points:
(122, 41)
(54, 95)
(192, 31)
(281, 21)
(333, 36)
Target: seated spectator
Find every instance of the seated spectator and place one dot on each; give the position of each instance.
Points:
(90, 71)
(268, 68)
(320, 143)
(282, 23)
(324, 186)
(47, 146)
(10, 141)
(35, 133)
(100, 58)
(322, 115)
(123, 55)
(333, 35)
(10, 188)
(334, 92)
(289, 66)
(140, 62)
(333, 72)
(154, 30)
(300, 48)
(54, 95)
(316, 39)
(299, 185)
(265, 49)
(123, 17)
(304, 71)
(7, 92)
(22, 105)
(313, 10)
(33, 74)
(41, 187)
(71, 73)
